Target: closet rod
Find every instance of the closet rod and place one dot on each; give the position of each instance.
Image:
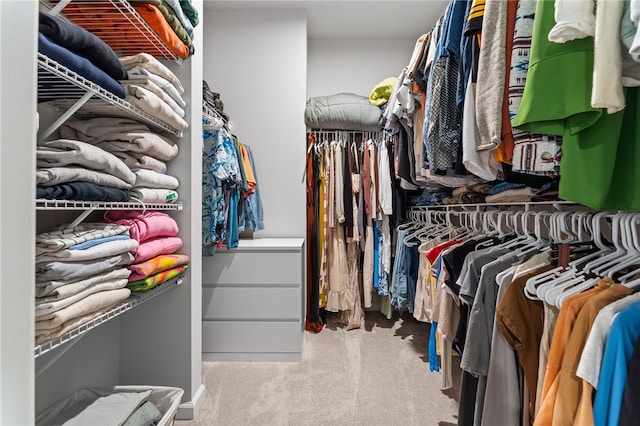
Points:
(557, 205)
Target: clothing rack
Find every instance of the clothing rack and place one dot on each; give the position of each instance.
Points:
(349, 135)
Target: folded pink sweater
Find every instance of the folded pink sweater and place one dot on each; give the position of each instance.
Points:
(157, 246)
(144, 226)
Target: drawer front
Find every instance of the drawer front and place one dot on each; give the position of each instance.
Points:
(251, 303)
(251, 336)
(263, 268)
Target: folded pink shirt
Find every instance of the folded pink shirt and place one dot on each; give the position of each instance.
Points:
(155, 247)
(144, 226)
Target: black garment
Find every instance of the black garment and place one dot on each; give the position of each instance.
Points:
(454, 259)
(82, 191)
(467, 401)
(84, 43)
(630, 410)
(404, 167)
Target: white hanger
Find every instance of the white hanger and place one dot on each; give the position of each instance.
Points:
(567, 290)
(593, 221)
(619, 251)
(629, 239)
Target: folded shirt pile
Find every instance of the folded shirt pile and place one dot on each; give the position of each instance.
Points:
(67, 161)
(80, 51)
(153, 88)
(156, 260)
(144, 152)
(80, 273)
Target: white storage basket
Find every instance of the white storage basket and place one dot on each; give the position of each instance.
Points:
(166, 399)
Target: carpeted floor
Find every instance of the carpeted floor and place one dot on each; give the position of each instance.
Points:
(378, 375)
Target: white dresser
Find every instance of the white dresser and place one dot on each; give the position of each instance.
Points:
(253, 301)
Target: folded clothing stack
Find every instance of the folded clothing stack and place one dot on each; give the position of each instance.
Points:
(80, 273)
(82, 52)
(144, 152)
(153, 88)
(79, 164)
(156, 260)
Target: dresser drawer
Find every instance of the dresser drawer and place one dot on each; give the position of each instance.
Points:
(251, 337)
(261, 268)
(251, 303)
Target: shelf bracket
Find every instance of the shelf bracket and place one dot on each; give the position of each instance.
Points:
(58, 7)
(80, 218)
(67, 114)
(63, 350)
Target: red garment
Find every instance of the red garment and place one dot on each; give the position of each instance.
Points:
(432, 255)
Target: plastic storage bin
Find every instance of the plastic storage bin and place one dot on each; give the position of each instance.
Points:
(166, 399)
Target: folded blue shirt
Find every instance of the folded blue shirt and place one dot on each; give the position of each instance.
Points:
(79, 65)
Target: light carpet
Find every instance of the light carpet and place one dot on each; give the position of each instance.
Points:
(378, 375)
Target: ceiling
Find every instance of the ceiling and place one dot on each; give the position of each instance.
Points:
(352, 19)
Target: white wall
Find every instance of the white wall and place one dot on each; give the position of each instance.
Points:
(257, 61)
(354, 66)
(18, 21)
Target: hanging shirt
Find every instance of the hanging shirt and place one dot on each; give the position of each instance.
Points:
(624, 333)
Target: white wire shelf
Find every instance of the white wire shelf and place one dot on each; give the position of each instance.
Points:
(116, 23)
(62, 87)
(44, 204)
(478, 206)
(134, 300)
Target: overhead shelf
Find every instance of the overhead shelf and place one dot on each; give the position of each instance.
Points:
(69, 91)
(116, 22)
(134, 300)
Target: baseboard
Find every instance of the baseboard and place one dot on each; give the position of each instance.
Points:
(251, 356)
(189, 410)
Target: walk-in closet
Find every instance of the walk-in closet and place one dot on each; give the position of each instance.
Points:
(319, 212)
